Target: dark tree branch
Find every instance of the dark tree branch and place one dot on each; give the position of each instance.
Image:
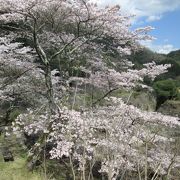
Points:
(105, 95)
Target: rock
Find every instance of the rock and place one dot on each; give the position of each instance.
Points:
(142, 99)
(7, 155)
(31, 165)
(171, 108)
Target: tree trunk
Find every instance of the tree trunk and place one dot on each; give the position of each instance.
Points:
(37, 151)
(50, 91)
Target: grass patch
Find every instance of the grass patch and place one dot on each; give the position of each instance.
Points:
(17, 170)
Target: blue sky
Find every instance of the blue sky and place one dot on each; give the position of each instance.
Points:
(166, 32)
(163, 15)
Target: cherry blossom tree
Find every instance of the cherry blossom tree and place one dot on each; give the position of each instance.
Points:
(60, 29)
(78, 31)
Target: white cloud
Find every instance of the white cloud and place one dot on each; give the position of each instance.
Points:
(165, 49)
(160, 48)
(151, 9)
(154, 18)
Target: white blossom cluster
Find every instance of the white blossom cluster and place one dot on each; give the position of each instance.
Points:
(19, 75)
(114, 134)
(110, 78)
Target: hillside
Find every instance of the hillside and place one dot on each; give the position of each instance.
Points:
(167, 85)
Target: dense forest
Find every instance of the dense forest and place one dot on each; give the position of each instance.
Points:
(81, 99)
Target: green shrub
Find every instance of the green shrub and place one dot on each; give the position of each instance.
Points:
(165, 89)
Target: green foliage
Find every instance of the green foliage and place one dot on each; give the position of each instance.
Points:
(165, 89)
(175, 55)
(145, 56)
(14, 114)
(173, 71)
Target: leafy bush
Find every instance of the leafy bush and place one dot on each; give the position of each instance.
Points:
(165, 89)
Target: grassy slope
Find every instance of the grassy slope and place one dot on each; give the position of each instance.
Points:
(17, 170)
